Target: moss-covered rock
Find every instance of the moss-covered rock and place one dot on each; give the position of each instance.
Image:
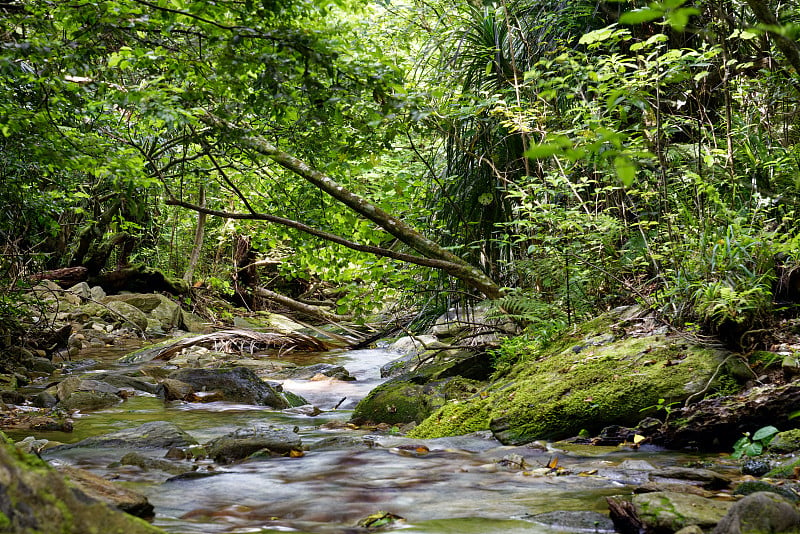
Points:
(36, 498)
(585, 381)
(666, 511)
(415, 395)
(785, 442)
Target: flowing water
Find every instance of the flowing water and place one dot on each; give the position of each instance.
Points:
(459, 485)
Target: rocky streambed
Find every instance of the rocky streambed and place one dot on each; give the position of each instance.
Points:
(267, 441)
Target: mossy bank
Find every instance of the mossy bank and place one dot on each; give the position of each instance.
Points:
(612, 370)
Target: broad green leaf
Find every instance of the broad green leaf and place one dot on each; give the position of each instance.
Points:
(764, 433)
(679, 18)
(626, 170)
(596, 35)
(638, 16)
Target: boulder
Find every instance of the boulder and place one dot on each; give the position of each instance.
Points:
(238, 384)
(308, 372)
(121, 380)
(82, 290)
(106, 491)
(582, 383)
(244, 442)
(411, 345)
(760, 513)
(153, 435)
(191, 322)
(75, 393)
(126, 315)
(400, 400)
(665, 511)
(34, 497)
(154, 305)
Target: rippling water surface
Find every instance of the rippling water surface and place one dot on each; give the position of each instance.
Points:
(455, 487)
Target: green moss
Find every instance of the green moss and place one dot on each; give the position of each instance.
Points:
(583, 382)
(785, 442)
(397, 402)
(5, 522)
(454, 418)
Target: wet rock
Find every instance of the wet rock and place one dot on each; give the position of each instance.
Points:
(414, 345)
(246, 441)
(153, 435)
(400, 400)
(311, 371)
(568, 521)
(785, 442)
(40, 365)
(172, 389)
(707, 478)
(754, 486)
(565, 392)
(788, 469)
(719, 422)
(399, 366)
(75, 393)
(147, 463)
(126, 315)
(759, 513)
(238, 384)
(55, 421)
(106, 491)
(120, 380)
(44, 399)
(40, 500)
(664, 512)
(86, 401)
(756, 467)
(691, 529)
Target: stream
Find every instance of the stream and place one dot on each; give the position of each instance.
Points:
(454, 485)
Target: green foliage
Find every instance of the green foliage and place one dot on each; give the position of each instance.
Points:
(662, 404)
(754, 446)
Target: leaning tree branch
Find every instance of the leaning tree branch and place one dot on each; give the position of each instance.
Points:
(377, 251)
(395, 226)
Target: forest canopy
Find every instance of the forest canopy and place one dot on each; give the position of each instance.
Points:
(559, 158)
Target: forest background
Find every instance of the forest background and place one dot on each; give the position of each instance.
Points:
(557, 157)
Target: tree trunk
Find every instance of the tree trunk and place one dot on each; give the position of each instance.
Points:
(199, 235)
(318, 312)
(789, 47)
(453, 265)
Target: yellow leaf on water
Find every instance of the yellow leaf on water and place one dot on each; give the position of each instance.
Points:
(638, 439)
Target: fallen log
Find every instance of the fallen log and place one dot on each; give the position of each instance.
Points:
(247, 341)
(65, 278)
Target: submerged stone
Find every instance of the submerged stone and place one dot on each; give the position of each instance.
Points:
(153, 435)
(575, 522)
(244, 442)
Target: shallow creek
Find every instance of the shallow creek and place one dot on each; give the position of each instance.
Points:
(459, 486)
